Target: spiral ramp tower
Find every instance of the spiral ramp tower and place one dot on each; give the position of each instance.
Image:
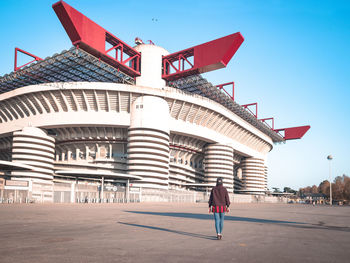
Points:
(253, 175)
(265, 176)
(218, 162)
(148, 142)
(34, 147)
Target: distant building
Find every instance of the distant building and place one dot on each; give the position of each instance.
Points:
(316, 198)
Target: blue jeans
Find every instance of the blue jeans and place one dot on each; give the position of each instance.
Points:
(219, 222)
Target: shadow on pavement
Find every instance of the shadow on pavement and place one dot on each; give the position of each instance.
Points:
(171, 231)
(210, 217)
(247, 219)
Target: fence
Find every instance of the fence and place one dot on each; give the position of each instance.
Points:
(168, 196)
(10, 196)
(91, 194)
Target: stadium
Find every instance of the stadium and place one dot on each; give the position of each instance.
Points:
(107, 122)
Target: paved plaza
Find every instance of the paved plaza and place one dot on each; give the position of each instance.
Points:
(173, 232)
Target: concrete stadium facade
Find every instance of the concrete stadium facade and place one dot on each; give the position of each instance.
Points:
(166, 136)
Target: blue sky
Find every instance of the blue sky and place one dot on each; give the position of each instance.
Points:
(294, 62)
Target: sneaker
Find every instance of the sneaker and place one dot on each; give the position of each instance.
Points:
(219, 236)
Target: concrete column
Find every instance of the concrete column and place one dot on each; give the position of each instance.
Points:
(218, 162)
(34, 147)
(148, 142)
(127, 191)
(253, 175)
(77, 154)
(151, 66)
(238, 186)
(102, 187)
(72, 192)
(110, 151)
(87, 153)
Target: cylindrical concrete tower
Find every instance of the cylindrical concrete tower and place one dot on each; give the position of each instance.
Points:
(34, 147)
(151, 66)
(148, 142)
(218, 162)
(253, 175)
(265, 174)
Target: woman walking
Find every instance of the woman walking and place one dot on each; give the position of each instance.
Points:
(219, 203)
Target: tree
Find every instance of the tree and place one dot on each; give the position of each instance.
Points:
(323, 188)
(314, 189)
(346, 187)
(305, 190)
(338, 188)
(288, 190)
(276, 190)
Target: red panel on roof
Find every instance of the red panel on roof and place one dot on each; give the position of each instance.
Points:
(89, 36)
(209, 56)
(294, 132)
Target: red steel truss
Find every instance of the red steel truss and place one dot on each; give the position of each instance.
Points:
(26, 53)
(272, 126)
(221, 87)
(246, 106)
(287, 133)
(293, 133)
(202, 58)
(89, 36)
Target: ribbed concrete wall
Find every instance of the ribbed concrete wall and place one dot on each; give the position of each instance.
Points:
(218, 162)
(148, 157)
(253, 175)
(265, 174)
(34, 147)
(148, 142)
(237, 182)
(103, 104)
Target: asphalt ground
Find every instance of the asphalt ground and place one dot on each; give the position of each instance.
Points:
(173, 232)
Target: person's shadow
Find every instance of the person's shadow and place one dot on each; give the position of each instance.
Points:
(232, 218)
(198, 216)
(210, 217)
(171, 231)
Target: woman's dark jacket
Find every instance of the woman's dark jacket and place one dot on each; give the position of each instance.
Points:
(219, 199)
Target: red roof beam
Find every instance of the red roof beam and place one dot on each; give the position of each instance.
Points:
(209, 56)
(293, 133)
(246, 106)
(89, 36)
(272, 126)
(117, 48)
(181, 59)
(26, 53)
(221, 87)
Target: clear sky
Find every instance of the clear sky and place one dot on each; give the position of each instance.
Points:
(295, 62)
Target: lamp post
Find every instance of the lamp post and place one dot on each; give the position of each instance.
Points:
(330, 158)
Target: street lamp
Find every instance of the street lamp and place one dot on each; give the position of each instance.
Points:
(330, 158)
